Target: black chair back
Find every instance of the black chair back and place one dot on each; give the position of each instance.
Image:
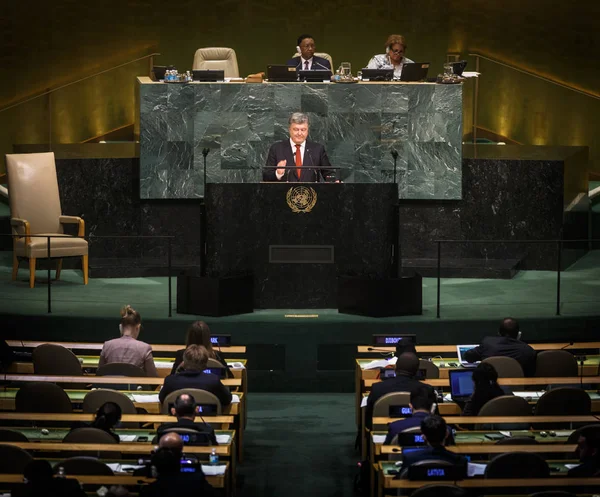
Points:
(517, 465)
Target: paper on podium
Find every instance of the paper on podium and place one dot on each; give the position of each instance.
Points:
(163, 364)
(214, 470)
(381, 363)
(363, 402)
(235, 399)
(145, 397)
(127, 438)
(223, 439)
(378, 439)
(236, 365)
(475, 469)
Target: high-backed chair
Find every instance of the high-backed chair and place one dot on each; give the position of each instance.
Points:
(517, 465)
(42, 397)
(564, 401)
(120, 369)
(201, 397)
(84, 466)
(574, 437)
(552, 493)
(51, 359)
(324, 56)
(432, 372)
(382, 406)
(14, 459)
(517, 441)
(216, 58)
(89, 435)
(97, 398)
(506, 367)
(555, 363)
(506, 405)
(12, 436)
(439, 491)
(35, 210)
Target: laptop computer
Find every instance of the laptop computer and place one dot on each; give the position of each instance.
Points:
(416, 71)
(208, 75)
(281, 73)
(460, 350)
(316, 76)
(377, 74)
(461, 384)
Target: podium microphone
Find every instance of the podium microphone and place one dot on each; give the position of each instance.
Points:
(205, 152)
(395, 156)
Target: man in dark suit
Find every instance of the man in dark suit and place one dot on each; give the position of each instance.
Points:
(507, 344)
(298, 153)
(435, 432)
(588, 449)
(308, 61)
(185, 410)
(407, 367)
(195, 359)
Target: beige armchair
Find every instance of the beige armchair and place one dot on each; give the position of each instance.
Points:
(216, 58)
(35, 210)
(324, 56)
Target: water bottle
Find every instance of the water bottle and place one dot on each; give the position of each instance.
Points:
(213, 459)
(61, 472)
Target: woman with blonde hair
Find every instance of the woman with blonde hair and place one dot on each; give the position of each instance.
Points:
(393, 58)
(128, 348)
(199, 334)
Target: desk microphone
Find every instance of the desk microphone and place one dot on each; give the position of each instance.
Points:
(395, 157)
(315, 172)
(568, 345)
(373, 349)
(324, 67)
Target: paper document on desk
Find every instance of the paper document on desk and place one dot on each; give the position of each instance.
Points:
(381, 363)
(532, 395)
(117, 467)
(470, 74)
(571, 466)
(564, 433)
(235, 399)
(163, 364)
(363, 402)
(378, 439)
(127, 438)
(145, 397)
(475, 469)
(223, 439)
(236, 365)
(214, 470)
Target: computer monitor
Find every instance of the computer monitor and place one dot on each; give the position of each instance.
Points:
(281, 74)
(460, 351)
(461, 383)
(392, 339)
(377, 74)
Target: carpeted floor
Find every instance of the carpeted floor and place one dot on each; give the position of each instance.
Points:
(299, 445)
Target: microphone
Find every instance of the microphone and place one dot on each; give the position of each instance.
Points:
(324, 67)
(373, 349)
(204, 154)
(205, 151)
(568, 345)
(395, 156)
(315, 171)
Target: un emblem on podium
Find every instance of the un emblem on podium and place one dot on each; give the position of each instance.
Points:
(301, 198)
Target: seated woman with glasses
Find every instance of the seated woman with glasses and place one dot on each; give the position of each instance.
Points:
(393, 58)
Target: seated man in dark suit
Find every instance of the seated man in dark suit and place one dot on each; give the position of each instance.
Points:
(435, 432)
(588, 449)
(308, 61)
(303, 156)
(185, 410)
(192, 375)
(422, 404)
(506, 344)
(170, 480)
(407, 367)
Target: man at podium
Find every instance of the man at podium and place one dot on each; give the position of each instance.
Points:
(298, 159)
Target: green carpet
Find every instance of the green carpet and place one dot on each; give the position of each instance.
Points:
(299, 445)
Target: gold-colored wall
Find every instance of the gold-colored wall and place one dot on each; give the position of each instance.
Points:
(52, 43)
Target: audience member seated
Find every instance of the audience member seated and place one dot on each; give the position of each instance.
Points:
(107, 418)
(192, 375)
(422, 404)
(170, 480)
(128, 348)
(39, 481)
(486, 388)
(407, 367)
(435, 433)
(405, 346)
(199, 334)
(588, 450)
(506, 344)
(185, 410)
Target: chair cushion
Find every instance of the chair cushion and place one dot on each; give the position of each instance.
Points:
(62, 246)
(215, 58)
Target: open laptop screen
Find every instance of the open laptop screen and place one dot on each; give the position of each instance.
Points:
(461, 350)
(461, 383)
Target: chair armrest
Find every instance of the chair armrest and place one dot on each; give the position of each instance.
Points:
(16, 222)
(74, 220)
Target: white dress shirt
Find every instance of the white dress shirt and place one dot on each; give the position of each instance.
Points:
(304, 61)
(291, 171)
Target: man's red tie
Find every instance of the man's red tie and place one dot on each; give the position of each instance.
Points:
(298, 162)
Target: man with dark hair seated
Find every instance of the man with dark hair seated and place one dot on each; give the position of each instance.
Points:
(407, 367)
(170, 480)
(185, 410)
(507, 344)
(435, 432)
(588, 449)
(422, 404)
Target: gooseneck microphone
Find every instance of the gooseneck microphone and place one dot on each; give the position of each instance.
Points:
(395, 157)
(205, 152)
(319, 64)
(315, 171)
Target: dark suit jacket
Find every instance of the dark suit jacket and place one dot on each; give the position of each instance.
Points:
(429, 453)
(179, 360)
(196, 379)
(314, 155)
(397, 384)
(189, 424)
(318, 63)
(507, 347)
(178, 484)
(588, 468)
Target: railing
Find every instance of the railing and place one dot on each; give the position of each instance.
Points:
(559, 246)
(479, 57)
